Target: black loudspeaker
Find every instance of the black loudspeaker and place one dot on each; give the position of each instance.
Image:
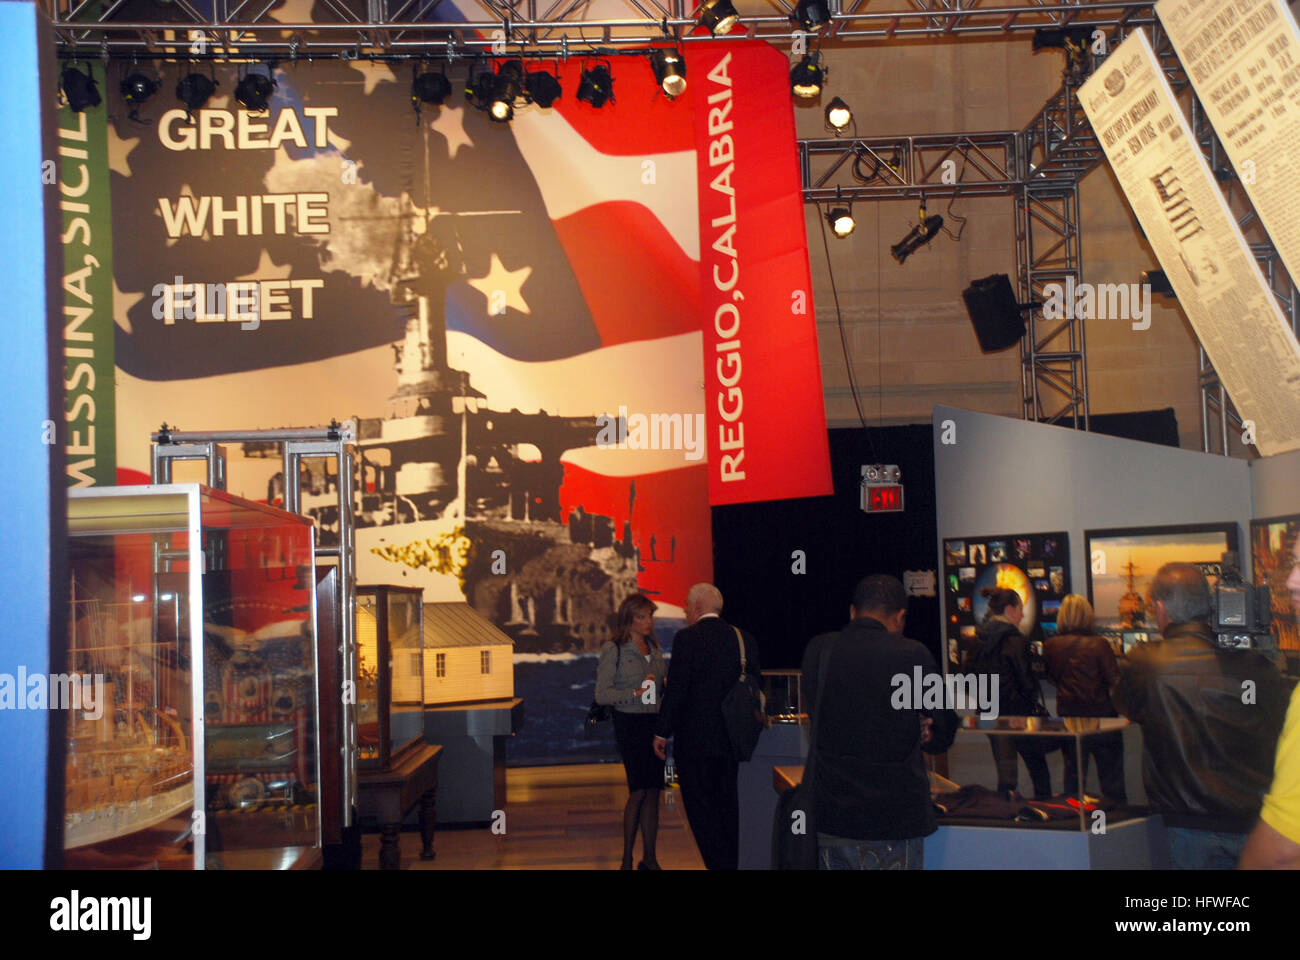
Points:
(995, 312)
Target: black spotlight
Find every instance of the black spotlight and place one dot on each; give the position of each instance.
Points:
(838, 114)
(920, 235)
(481, 89)
(253, 91)
(1158, 280)
(543, 88)
(136, 89)
(841, 220)
(812, 15)
(806, 79)
(596, 86)
(670, 71)
(431, 88)
(194, 91)
(1049, 39)
(718, 16)
(80, 89)
(508, 86)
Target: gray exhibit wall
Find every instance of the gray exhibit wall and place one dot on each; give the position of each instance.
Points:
(1275, 485)
(996, 475)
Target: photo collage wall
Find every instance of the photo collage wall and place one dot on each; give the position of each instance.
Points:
(1035, 565)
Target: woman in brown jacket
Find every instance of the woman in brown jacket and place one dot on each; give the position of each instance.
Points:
(1083, 667)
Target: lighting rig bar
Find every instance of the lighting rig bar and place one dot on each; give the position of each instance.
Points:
(377, 28)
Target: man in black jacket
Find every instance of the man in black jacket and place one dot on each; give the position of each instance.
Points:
(1210, 723)
(705, 666)
(870, 781)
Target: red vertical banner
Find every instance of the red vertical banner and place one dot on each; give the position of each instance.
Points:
(762, 374)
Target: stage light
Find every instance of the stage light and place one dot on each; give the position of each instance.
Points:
(806, 79)
(543, 88)
(136, 90)
(194, 91)
(80, 89)
(838, 114)
(480, 88)
(431, 88)
(920, 235)
(596, 86)
(812, 15)
(718, 16)
(509, 85)
(1048, 39)
(841, 220)
(253, 91)
(670, 71)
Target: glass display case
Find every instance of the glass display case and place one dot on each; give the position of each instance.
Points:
(193, 625)
(783, 693)
(390, 673)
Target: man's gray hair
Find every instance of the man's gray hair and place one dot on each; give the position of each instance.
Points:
(706, 597)
(1184, 591)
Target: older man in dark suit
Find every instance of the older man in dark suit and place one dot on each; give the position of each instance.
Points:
(705, 666)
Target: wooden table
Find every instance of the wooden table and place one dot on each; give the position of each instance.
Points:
(387, 795)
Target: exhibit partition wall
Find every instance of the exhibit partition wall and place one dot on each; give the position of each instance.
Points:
(33, 524)
(561, 338)
(994, 475)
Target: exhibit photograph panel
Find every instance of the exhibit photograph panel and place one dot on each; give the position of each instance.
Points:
(1123, 562)
(1035, 565)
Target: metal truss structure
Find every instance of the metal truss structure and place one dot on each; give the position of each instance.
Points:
(387, 28)
(1040, 166)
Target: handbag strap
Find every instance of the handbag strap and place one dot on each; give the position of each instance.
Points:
(822, 662)
(740, 640)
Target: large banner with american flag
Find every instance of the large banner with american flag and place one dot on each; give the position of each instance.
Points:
(561, 339)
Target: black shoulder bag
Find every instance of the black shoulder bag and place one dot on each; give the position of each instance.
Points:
(598, 713)
(743, 710)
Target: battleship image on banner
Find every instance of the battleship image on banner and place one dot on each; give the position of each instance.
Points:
(473, 301)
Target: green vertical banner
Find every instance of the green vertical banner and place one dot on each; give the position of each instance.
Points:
(90, 405)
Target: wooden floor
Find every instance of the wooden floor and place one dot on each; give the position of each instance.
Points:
(557, 818)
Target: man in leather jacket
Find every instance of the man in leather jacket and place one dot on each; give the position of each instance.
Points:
(1210, 723)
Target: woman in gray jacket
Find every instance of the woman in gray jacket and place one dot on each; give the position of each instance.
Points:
(630, 678)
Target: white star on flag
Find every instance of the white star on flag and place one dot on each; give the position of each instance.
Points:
(502, 282)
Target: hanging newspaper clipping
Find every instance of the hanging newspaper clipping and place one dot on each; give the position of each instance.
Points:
(1186, 220)
(1243, 58)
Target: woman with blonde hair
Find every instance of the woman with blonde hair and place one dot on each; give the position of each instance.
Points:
(1082, 665)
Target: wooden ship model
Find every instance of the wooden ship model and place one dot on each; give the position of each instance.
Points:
(129, 763)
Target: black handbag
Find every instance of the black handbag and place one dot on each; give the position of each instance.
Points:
(797, 806)
(598, 713)
(744, 710)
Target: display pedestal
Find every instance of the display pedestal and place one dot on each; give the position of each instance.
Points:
(1135, 844)
(386, 795)
(781, 744)
(473, 738)
(1132, 845)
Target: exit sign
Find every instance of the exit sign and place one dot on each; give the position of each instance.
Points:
(882, 498)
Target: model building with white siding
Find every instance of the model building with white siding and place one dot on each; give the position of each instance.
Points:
(466, 658)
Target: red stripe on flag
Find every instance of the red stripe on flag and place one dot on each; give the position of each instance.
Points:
(641, 121)
(668, 505)
(638, 283)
